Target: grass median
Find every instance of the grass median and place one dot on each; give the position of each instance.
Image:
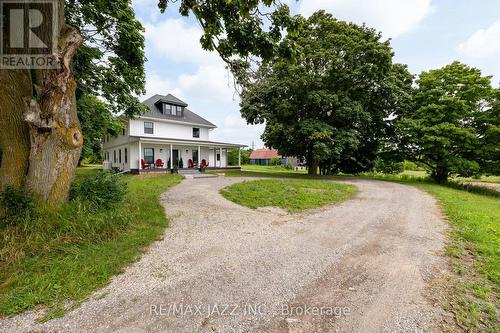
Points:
(292, 195)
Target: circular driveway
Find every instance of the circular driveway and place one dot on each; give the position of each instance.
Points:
(364, 265)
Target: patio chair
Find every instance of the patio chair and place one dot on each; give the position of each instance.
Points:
(145, 165)
(190, 163)
(204, 163)
(159, 163)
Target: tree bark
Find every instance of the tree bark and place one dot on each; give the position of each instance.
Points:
(312, 165)
(15, 86)
(51, 124)
(441, 174)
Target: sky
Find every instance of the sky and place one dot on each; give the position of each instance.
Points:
(425, 34)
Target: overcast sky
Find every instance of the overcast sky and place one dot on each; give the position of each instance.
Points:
(425, 34)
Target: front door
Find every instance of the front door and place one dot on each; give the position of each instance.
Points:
(195, 157)
(175, 158)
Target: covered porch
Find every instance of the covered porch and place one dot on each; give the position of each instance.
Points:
(163, 155)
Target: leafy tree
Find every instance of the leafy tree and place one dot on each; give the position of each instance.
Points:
(96, 121)
(489, 129)
(235, 29)
(109, 64)
(452, 114)
(331, 104)
(232, 156)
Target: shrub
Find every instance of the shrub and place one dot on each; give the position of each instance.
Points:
(181, 164)
(289, 166)
(388, 167)
(17, 205)
(411, 166)
(274, 161)
(102, 190)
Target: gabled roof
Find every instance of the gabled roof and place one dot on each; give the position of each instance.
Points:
(263, 154)
(187, 117)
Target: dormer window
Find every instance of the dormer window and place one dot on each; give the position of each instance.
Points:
(173, 110)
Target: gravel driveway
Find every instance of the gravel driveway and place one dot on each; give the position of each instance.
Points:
(365, 265)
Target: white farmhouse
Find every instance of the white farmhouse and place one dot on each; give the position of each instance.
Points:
(167, 135)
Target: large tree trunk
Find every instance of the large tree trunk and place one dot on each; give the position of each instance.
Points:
(15, 86)
(49, 111)
(441, 174)
(312, 165)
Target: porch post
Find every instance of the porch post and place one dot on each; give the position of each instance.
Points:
(199, 156)
(239, 157)
(140, 155)
(171, 157)
(220, 160)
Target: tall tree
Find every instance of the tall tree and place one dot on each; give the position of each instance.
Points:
(41, 137)
(331, 105)
(488, 124)
(452, 114)
(109, 65)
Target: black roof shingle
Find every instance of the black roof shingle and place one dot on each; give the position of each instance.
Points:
(188, 116)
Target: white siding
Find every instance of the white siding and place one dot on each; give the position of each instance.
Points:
(162, 151)
(117, 164)
(167, 130)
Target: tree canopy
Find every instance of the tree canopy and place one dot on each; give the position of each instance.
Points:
(330, 104)
(241, 31)
(452, 127)
(109, 65)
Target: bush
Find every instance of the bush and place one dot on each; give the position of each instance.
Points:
(102, 190)
(411, 166)
(289, 166)
(17, 205)
(181, 164)
(274, 161)
(388, 167)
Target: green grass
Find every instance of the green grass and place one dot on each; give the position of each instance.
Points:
(70, 251)
(292, 195)
(473, 248)
(276, 168)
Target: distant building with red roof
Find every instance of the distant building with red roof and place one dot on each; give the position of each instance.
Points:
(263, 156)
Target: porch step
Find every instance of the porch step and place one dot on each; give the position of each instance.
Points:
(189, 171)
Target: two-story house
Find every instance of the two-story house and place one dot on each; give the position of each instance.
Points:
(166, 134)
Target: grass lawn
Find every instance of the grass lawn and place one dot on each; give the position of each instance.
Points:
(69, 251)
(276, 168)
(473, 249)
(292, 195)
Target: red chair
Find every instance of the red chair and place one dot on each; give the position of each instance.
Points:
(145, 165)
(204, 163)
(159, 163)
(190, 163)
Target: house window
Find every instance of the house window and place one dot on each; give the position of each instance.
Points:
(148, 127)
(218, 156)
(126, 155)
(114, 156)
(149, 155)
(196, 132)
(123, 131)
(167, 108)
(119, 156)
